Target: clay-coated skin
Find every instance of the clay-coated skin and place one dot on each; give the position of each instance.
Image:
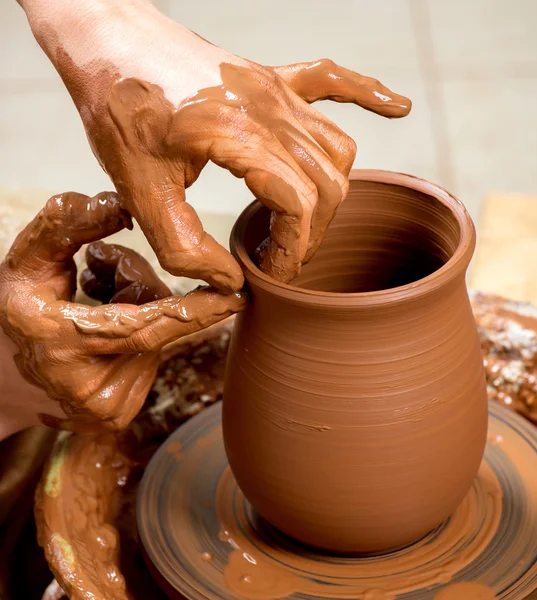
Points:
(72, 527)
(355, 408)
(93, 364)
(158, 102)
(488, 539)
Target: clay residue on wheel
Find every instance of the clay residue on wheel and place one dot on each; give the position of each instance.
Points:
(470, 590)
(272, 566)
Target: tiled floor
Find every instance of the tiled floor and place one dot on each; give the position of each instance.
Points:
(470, 68)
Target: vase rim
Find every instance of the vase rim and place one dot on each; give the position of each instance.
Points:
(453, 267)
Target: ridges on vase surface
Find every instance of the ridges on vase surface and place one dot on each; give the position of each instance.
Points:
(355, 408)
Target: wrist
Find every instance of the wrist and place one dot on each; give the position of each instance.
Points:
(57, 24)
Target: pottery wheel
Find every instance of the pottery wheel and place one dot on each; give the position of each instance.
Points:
(202, 539)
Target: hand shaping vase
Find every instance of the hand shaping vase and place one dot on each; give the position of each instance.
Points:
(355, 406)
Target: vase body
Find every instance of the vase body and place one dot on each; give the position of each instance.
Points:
(355, 407)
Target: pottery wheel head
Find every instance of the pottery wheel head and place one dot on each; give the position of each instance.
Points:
(202, 540)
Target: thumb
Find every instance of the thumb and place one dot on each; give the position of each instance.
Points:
(131, 329)
(66, 222)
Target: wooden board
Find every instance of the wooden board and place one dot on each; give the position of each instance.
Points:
(506, 256)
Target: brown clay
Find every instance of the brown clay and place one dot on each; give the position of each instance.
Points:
(158, 102)
(291, 157)
(72, 526)
(118, 274)
(355, 408)
(194, 506)
(192, 379)
(466, 591)
(86, 501)
(96, 362)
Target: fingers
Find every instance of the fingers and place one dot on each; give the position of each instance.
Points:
(332, 185)
(119, 387)
(119, 274)
(66, 222)
(152, 186)
(334, 141)
(130, 329)
(100, 362)
(182, 316)
(325, 80)
(176, 234)
(341, 150)
(276, 179)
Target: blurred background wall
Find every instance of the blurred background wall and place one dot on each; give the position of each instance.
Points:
(470, 67)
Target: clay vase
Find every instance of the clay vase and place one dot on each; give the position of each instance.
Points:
(355, 406)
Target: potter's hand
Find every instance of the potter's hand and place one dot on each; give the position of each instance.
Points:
(95, 363)
(159, 102)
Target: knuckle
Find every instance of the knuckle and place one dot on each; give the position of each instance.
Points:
(110, 200)
(144, 341)
(326, 64)
(172, 262)
(269, 76)
(312, 192)
(310, 195)
(272, 83)
(54, 207)
(348, 147)
(295, 210)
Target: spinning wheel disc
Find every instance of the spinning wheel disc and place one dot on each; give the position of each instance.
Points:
(203, 541)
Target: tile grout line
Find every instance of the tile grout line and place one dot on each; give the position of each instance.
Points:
(428, 67)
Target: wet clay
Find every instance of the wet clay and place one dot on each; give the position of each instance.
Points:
(300, 174)
(96, 362)
(105, 496)
(466, 591)
(355, 407)
(193, 378)
(263, 565)
(67, 495)
(154, 119)
(116, 274)
(193, 508)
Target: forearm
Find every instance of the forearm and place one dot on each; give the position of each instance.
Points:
(18, 399)
(94, 42)
(64, 25)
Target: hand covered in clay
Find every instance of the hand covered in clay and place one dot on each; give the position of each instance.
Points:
(158, 102)
(95, 364)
